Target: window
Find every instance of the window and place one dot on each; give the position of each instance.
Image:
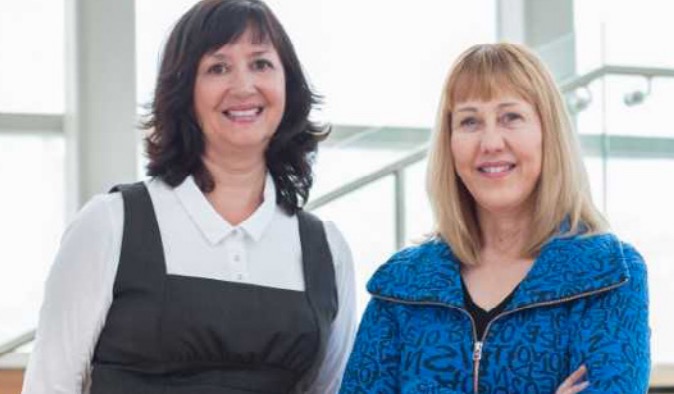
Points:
(636, 170)
(32, 207)
(32, 53)
(640, 194)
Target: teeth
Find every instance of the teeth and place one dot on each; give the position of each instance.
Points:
(496, 169)
(243, 113)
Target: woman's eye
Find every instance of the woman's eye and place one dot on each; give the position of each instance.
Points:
(511, 117)
(468, 123)
(217, 69)
(262, 64)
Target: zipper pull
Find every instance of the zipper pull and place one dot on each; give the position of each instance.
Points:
(477, 351)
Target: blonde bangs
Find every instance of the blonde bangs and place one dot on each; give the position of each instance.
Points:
(485, 75)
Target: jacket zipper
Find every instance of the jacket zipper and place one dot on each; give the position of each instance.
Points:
(479, 344)
(477, 356)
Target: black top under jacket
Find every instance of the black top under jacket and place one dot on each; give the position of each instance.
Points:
(481, 317)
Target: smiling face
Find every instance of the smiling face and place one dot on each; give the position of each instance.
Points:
(239, 96)
(497, 151)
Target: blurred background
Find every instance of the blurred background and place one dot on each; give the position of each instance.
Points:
(75, 76)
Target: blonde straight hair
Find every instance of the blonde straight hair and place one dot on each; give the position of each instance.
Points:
(484, 72)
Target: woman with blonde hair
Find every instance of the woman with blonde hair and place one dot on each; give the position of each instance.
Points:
(522, 289)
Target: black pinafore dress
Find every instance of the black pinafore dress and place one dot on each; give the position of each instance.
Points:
(171, 334)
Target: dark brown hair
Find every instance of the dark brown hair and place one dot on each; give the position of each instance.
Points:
(175, 144)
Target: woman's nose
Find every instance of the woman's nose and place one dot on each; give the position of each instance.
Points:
(243, 82)
(492, 138)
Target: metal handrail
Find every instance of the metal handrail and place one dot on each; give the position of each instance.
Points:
(30, 123)
(398, 167)
(400, 164)
(13, 344)
(585, 79)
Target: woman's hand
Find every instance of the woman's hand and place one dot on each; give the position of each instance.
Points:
(572, 384)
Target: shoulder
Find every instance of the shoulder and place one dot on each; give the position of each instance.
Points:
(416, 258)
(95, 229)
(610, 248)
(339, 247)
(158, 186)
(416, 272)
(89, 249)
(341, 252)
(631, 256)
(590, 256)
(102, 212)
(636, 266)
(427, 252)
(606, 259)
(420, 258)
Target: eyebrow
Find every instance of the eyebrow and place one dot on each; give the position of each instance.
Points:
(474, 109)
(261, 52)
(467, 109)
(508, 104)
(222, 56)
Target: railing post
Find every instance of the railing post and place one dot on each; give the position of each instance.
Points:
(400, 207)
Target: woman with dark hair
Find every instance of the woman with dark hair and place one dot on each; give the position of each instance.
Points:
(208, 277)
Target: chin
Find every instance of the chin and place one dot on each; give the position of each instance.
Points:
(500, 205)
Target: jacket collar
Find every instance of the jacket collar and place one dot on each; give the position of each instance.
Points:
(567, 267)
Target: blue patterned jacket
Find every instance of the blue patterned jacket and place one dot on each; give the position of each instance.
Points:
(584, 301)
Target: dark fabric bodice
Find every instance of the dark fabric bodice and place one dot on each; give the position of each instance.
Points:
(174, 334)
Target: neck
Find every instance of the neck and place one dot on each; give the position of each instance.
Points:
(239, 186)
(504, 235)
